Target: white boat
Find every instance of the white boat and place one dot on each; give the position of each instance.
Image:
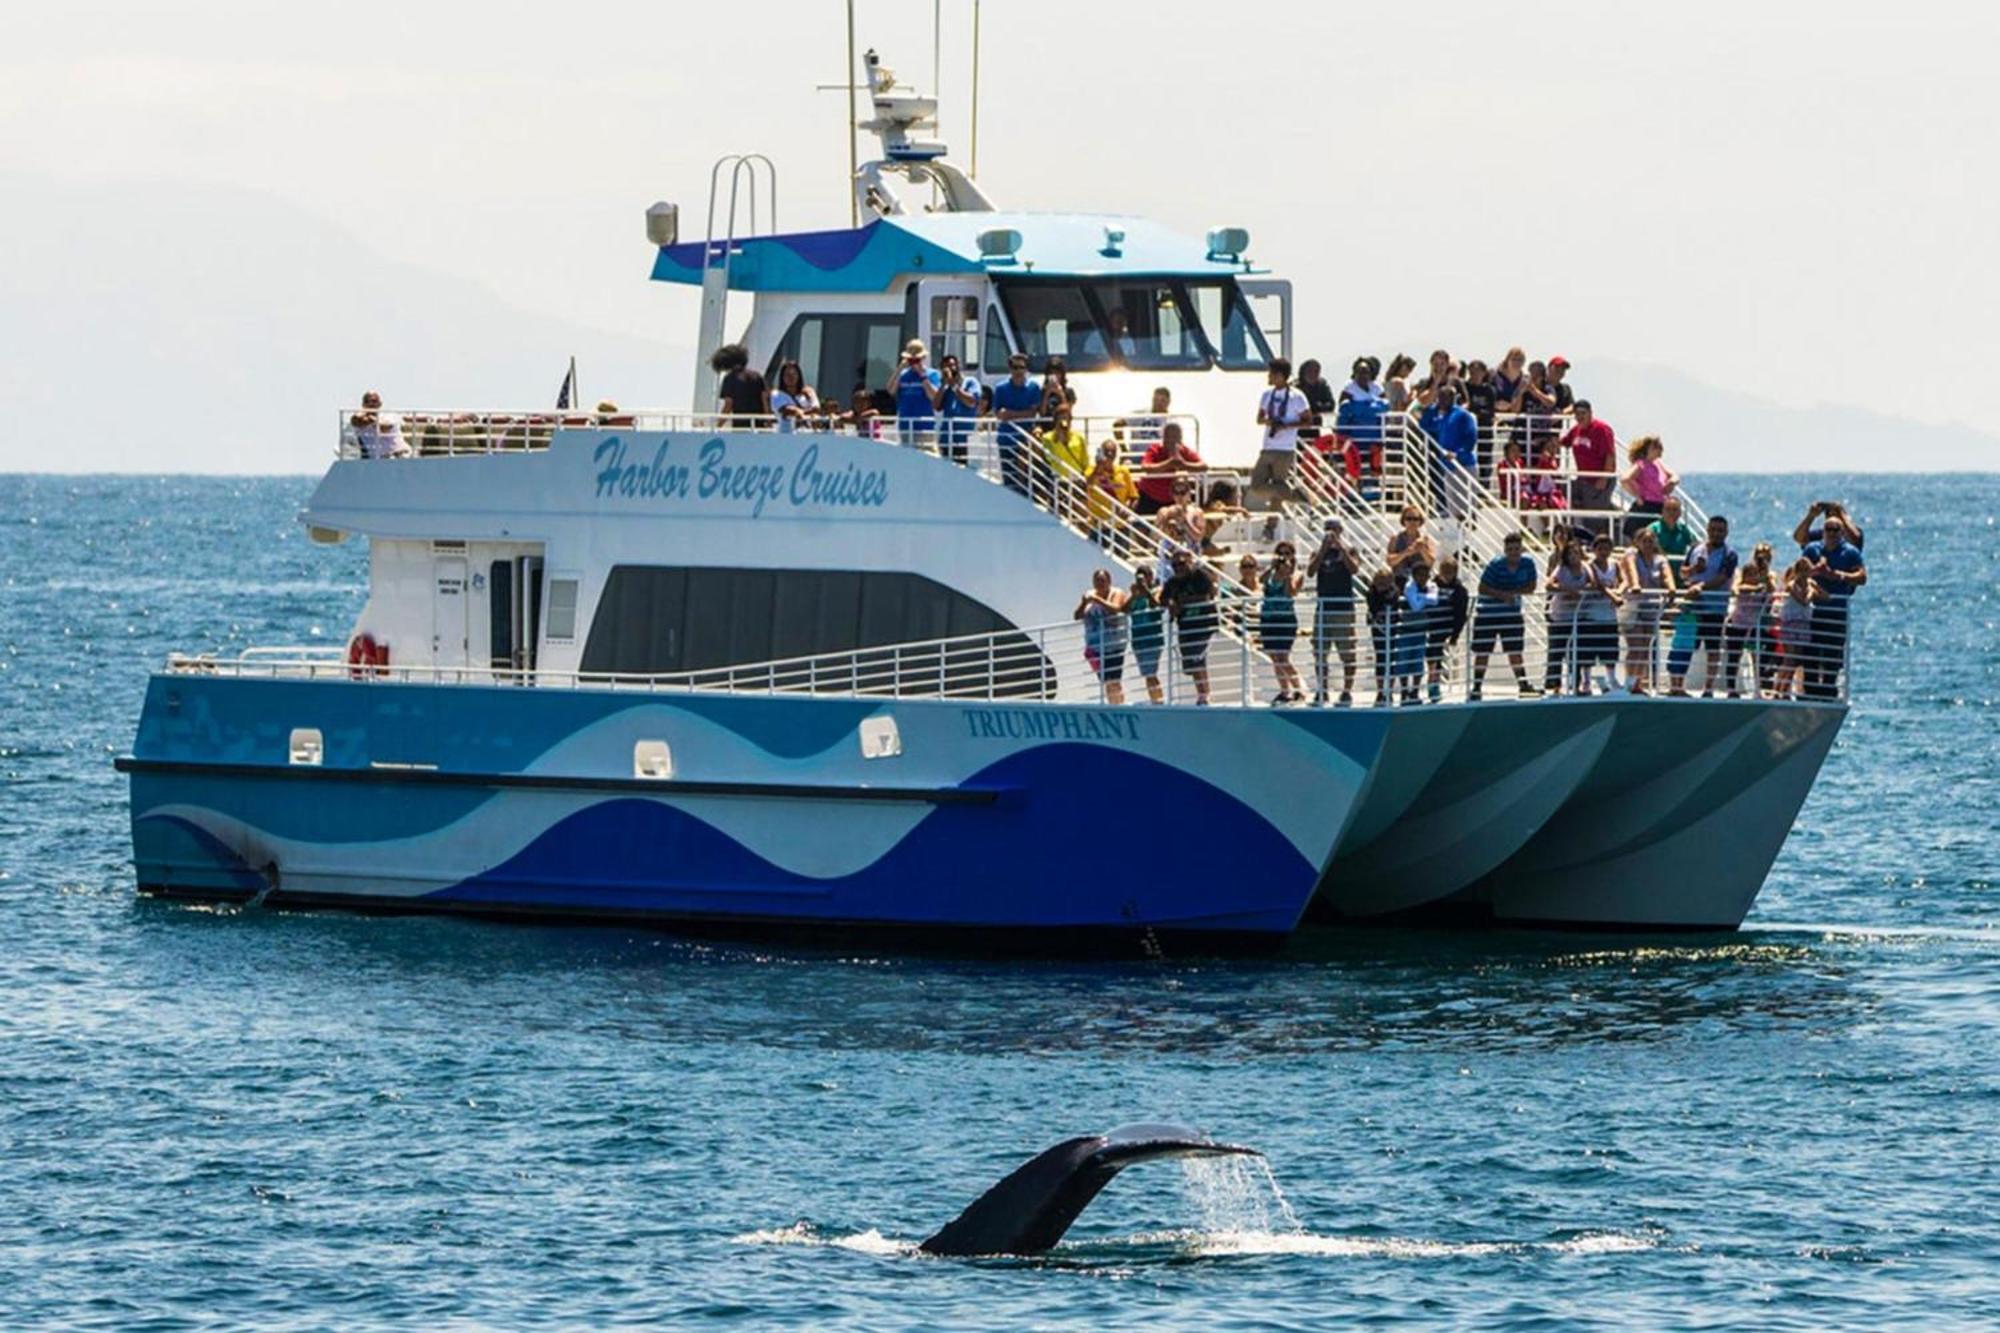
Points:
(737, 673)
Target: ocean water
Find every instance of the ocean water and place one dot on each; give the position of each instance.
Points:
(225, 1116)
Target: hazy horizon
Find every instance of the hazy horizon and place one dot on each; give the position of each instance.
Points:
(1758, 223)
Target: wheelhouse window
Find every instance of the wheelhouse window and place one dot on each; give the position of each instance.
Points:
(1055, 319)
(1140, 323)
(838, 352)
(1226, 317)
(1148, 325)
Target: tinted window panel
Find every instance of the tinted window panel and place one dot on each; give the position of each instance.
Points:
(657, 621)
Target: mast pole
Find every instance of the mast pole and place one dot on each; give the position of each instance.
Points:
(853, 134)
(975, 89)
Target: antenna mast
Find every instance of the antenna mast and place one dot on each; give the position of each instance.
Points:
(975, 89)
(853, 132)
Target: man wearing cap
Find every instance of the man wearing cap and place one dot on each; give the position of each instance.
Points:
(1565, 396)
(1333, 567)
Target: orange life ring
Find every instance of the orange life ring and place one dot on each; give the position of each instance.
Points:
(361, 655)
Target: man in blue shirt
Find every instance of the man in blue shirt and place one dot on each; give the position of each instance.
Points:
(958, 407)
(1707, 576)
(1358, 424)
(1017, 399)
(917, 388)
(1837, 567)
(1454, 434)
(1507, 579)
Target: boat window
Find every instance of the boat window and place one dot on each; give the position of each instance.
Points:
(561, 614)
(1231, 326)
(997, 350)
(652, 759)
(1055, 319)
(1143, 323)
(1149, 326)
(837, 351)
(654, 620)
(954, 330)
(307, 745)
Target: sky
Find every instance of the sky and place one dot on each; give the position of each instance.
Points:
(1788, 201)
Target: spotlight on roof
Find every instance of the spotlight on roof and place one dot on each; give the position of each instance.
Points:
(663, 223)
(1228, 242)
(1114, 242)
(999, 245)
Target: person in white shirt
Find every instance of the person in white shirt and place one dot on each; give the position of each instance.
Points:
(793, 401)
(1281, 411)
(377, 434)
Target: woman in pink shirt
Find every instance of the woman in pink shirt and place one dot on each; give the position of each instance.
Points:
(1648, 481)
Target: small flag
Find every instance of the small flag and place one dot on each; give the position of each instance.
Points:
(566, 396)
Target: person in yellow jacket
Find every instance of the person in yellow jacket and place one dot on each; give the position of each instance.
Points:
(1066, 447)
(1108, 488)
(1066, 458)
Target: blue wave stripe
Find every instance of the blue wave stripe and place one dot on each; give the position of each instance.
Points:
(1097, 837)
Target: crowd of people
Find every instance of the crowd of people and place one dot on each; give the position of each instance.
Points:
(1636, 619)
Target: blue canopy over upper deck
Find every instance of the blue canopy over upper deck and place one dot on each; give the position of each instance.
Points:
(869, 258)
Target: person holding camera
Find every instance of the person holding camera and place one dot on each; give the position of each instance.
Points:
(958, 405)
(1189, 597)
(1332, 568)
(1805, 534)
(917, 389)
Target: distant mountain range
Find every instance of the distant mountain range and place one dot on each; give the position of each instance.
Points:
(177, 328)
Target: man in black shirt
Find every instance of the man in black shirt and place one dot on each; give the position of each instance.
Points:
(1332, 568)
(1559, 385)
(1190, 596)
(1319, 395)
(741, 398)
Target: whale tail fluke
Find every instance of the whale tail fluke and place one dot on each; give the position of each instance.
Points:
(1029, 1210)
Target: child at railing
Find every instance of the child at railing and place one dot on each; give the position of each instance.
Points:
(1510, 475)
(1749, 624)
(1795, 616)
(1108, 487)
(863, 417)
(1545, 483)
(1382, 620)
(1411, 635)
(1447, 622)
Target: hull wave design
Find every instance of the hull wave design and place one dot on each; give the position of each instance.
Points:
(1610, 812)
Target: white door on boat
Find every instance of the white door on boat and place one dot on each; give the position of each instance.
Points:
(949, 311)
(449, 623)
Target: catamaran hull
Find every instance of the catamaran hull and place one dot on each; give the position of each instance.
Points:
(1063, 826)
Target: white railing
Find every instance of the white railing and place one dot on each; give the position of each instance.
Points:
(1373, 651)
(427, 433)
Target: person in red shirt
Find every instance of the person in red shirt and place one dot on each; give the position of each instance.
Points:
(1166, 459)
(1593, 447)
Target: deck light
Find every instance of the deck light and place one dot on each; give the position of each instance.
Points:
(663, 223)
(999, 245)
(1228, 242)
(1114, 242)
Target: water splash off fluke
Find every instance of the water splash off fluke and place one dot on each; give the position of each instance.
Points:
(1237, 1196)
